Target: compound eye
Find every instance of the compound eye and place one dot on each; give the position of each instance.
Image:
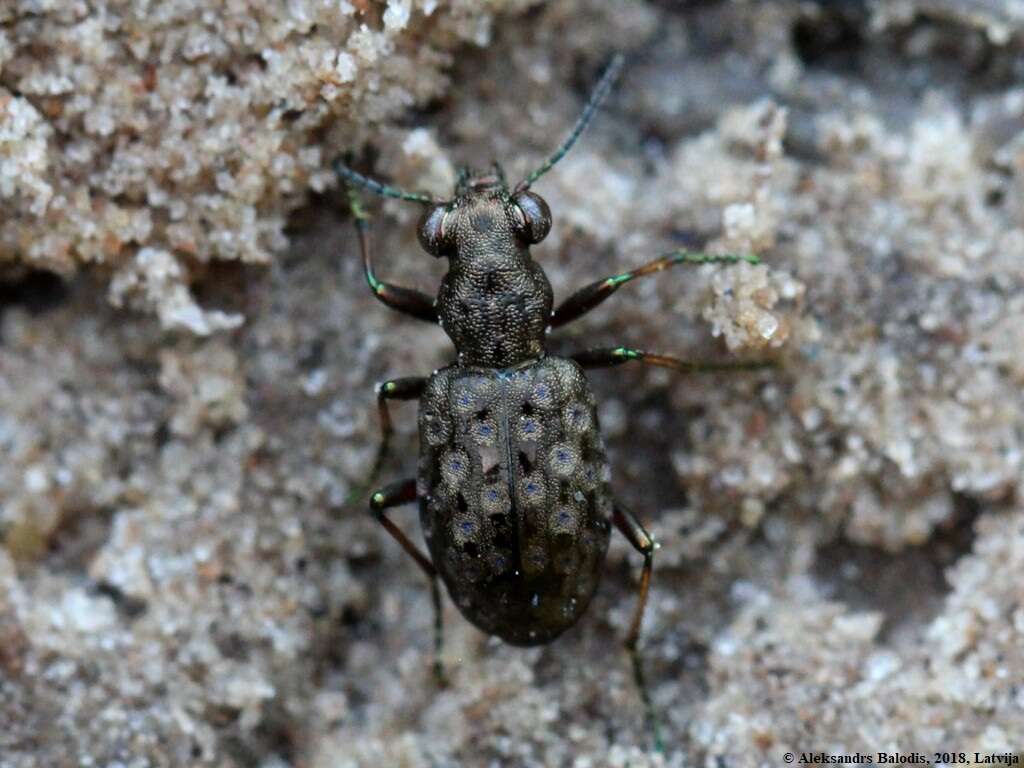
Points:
(432, 233)
(532, 217)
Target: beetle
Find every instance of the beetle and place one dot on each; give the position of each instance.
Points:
(513, 480)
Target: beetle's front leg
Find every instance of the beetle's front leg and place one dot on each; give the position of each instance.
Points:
(589, 296)
(408, 301)
(394, 495)
(631, 527)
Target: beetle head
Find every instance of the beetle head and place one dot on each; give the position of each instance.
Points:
(483, 213)
(481, 210)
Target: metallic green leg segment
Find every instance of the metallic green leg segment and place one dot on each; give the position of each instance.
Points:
(588, 297)
(408, 301)
(394, 495)
(607, 357)
(409, 388)
(634, 531)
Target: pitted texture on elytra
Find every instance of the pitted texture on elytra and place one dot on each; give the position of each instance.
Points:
(514, 495)
(495, 301)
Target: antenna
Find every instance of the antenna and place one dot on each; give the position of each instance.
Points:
(376, 187)
(598, 95)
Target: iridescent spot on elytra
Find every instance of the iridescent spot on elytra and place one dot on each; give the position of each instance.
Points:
(471, 394)
(529, 428)
(494, 499)
(590, 476)
(564, 520)
(484, 431)
(455, 468)
(532, 487)
(542, 395)
(465, 529)
(563, 460)
(577, 418)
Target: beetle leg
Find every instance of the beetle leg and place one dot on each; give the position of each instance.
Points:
(589, 296)
(394, 495)
(606, 357)
(409, 388)
(631, 527)
(408, 301)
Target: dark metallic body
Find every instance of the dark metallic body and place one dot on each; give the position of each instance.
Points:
(495, 302)
(513, 477)
(514, 496)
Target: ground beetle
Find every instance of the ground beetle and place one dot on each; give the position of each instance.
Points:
(513, 480)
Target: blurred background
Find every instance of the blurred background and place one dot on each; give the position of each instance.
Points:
(188, 352)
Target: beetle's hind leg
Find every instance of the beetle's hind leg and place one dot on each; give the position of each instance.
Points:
(634, 531)
(395, 495)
